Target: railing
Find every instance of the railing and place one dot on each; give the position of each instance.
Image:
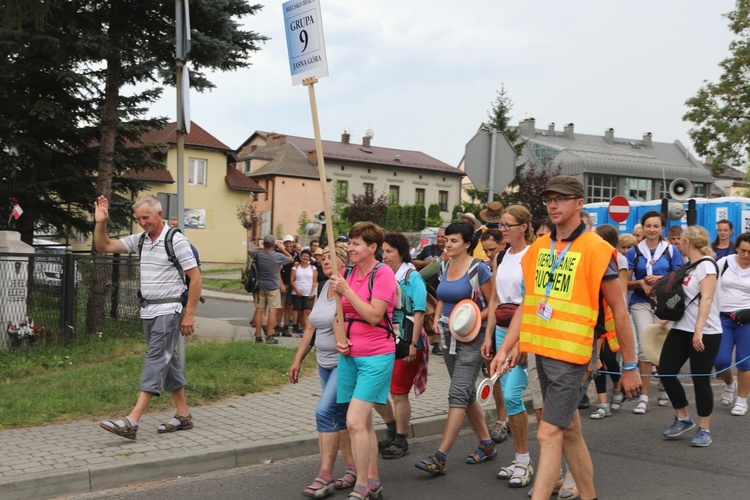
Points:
(62, 296)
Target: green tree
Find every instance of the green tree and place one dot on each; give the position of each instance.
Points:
(528, 183)
(720, 112)
(418, 217)
(302, 223)
(499, 118)
(433, 215)
(367, 207)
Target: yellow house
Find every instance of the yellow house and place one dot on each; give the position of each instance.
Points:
(213, 191)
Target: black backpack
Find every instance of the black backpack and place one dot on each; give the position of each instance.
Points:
(668, 295)
(249, 276)
(169, 248)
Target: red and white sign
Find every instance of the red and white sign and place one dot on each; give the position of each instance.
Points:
(619, 209)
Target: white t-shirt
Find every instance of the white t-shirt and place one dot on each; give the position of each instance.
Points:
(510, 278)
(691, 285)
(622, 262)
(734, 285)
(303, 278)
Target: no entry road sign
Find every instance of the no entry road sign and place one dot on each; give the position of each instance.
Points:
(619, 209)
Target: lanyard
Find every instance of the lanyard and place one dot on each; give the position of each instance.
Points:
(555, 265)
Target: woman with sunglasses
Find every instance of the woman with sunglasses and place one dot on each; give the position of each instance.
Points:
(506, 296)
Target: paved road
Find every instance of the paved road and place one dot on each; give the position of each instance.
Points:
(631, 461)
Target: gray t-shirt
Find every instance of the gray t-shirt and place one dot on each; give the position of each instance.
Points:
(321, 317)
(268, 268)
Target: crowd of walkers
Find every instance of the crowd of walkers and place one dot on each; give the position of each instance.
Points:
(545, 305)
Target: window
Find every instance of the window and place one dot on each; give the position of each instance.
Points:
(699, 191)
(369, 189)
(419, 196)
(600, 188)
(393, 195)
(246, 167)
(197, 172)
(543, 153)
(443, 200)
(342, 191)
(638, 189)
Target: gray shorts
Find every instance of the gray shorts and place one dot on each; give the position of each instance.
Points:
(561, 389)
(161, 368)
(287, 299)
(464, 368)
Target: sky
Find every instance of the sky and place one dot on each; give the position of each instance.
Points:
(423, 75)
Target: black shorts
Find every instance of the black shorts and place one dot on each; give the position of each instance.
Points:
(302, 303)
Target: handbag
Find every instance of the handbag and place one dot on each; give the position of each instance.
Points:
(741, 316)
(504, 313)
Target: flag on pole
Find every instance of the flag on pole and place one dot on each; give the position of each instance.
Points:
(17, 211)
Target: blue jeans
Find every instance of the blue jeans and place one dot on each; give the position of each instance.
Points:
(734, 336)
(329, 415)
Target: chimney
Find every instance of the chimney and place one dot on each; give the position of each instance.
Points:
(568, 130)
(275, 140)
(345, 138)
(312, 157)
(551, 128)
(528, 127)
(366, 141)
(609, 136)
(647, 140)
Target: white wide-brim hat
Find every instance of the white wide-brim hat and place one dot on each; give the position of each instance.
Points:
(465, 321)
(652, 341)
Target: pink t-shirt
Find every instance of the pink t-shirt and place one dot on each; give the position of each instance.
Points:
(366, 339)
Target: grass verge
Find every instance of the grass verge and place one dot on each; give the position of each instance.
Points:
(224, 285)
(52, 384)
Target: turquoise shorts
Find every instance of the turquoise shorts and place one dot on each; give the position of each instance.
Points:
(367, 378)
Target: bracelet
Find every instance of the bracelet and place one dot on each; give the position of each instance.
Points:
(415, 344)
(626, 367)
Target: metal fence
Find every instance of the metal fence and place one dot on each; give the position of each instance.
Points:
(63, 297)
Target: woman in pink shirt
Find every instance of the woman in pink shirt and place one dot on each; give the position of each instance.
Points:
(368, 296)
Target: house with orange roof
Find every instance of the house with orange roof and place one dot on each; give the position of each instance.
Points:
(285, 167)
(213, 191)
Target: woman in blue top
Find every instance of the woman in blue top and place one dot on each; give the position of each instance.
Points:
(463, 360)
(722, 245)
(651, 259)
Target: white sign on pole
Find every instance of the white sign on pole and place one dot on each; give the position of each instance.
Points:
(304, 40)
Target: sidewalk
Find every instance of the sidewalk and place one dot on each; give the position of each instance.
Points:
(53, 460)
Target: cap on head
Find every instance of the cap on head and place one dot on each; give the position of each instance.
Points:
(564, 184)
(468, 215)
(288, 237)
(343, 238)
(269, 240)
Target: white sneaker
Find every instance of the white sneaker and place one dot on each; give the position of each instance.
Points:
(728, 395)
(739, 409)
(641, 408)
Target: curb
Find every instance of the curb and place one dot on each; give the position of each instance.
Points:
(102, 477)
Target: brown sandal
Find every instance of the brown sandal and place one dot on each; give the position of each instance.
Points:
(127, 431)
(489, 453)
(185, 424)
(431, 465)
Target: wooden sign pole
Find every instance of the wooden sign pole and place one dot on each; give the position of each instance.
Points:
(310, 82)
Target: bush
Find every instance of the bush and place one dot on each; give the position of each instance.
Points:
(433, 216)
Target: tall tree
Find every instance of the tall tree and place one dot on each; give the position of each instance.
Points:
(720, 112)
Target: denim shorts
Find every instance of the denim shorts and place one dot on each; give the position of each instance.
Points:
(329, 415)
(367, 378)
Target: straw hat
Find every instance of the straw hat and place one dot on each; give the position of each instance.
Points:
(652, 341)
(471, 217)
(465, 321)
(492, 213)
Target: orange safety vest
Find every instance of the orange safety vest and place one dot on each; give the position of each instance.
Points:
(569, 333)
(609, 326)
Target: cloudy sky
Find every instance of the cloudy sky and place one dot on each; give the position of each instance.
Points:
(423, 74)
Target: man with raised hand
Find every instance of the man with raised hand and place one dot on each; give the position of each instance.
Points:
(165, 312)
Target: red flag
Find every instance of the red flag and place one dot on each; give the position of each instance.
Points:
(17, 211)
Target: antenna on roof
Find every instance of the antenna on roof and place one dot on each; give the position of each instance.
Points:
(370, 133)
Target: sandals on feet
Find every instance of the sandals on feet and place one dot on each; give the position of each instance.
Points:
(482, 454)
(346, 481)
(185, 424)
(325, 489)
(358, 496)
(127, 431)
(431, 465)
(522, 475)
(507, 472)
